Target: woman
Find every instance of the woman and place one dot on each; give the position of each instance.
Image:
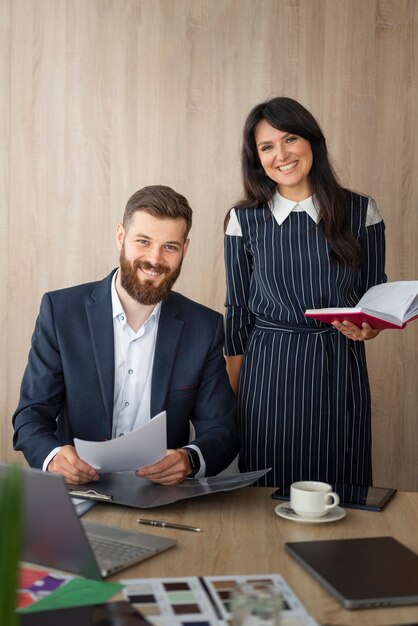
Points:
(298, 241)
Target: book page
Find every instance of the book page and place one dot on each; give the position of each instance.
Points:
(399, 299)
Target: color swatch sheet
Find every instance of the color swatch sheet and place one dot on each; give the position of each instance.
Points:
(40, 590)
(36, 584)
(205, 601)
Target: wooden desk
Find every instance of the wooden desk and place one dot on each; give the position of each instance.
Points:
(242, 535)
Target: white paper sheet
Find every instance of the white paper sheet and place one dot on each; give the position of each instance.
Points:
(146, 445)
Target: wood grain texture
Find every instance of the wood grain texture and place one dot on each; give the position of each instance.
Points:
(100, 98)
(242, 535)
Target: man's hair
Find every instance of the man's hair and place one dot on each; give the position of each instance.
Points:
(160, 202)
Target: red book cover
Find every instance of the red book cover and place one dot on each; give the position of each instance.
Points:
(388, 305)
(355, 316)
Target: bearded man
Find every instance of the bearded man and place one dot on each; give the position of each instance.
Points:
(107, 356)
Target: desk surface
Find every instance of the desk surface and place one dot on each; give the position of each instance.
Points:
(242, 535)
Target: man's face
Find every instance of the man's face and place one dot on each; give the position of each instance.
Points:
(151, 254)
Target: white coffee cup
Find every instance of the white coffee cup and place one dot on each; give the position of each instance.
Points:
(309, 498)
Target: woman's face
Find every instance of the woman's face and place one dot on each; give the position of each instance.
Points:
(287, 159)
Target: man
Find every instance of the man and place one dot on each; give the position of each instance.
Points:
(107, 356)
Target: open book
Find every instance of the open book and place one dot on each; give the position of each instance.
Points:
(390, 305)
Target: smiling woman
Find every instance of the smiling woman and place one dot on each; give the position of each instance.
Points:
(286, 159)
(298, 238)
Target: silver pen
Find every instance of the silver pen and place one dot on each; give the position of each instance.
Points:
(154, 522)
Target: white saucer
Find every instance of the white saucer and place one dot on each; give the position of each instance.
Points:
(284, 510)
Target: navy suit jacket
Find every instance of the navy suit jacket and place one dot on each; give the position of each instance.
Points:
(67, 387)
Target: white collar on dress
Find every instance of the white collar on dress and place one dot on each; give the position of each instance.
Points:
(282, 207)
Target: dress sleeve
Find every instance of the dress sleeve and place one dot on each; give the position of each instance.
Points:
(238, 318)
(374, 249)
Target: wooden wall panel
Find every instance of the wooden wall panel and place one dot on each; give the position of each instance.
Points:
(5, 388)
(100, 98)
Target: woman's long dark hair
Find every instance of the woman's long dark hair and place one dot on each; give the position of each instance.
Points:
(331, 199)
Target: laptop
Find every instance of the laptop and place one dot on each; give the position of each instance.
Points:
(362, 573)
(55, 537)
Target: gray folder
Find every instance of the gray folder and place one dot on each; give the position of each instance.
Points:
(130, 490)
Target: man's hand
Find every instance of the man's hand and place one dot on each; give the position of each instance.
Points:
(67, 463)
(171, 470)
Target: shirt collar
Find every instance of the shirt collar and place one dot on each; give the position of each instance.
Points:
(282, 207)
(117, 308)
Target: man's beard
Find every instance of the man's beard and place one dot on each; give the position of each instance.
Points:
(144, 291)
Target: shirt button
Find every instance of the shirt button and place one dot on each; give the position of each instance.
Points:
(126, 403)
(122, 317)
(130, 371)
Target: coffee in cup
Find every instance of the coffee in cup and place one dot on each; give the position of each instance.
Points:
(310, 498)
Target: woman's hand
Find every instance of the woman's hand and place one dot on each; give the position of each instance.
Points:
(351, 331)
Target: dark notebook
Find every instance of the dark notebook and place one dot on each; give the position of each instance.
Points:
(111, 614)
(362, 573)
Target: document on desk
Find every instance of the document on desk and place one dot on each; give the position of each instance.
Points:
(143, 446)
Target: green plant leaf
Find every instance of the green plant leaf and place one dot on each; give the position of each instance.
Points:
(10, 543)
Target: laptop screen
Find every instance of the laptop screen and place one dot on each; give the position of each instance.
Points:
(55, 537)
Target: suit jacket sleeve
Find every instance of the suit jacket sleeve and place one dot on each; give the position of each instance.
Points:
(42, 392)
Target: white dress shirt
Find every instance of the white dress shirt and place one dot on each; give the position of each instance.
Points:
(134, 358)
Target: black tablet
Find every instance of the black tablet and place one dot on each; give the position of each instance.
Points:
(361, 573)
(353, 496)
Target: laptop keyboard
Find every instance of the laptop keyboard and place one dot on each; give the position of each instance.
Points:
(112, 551)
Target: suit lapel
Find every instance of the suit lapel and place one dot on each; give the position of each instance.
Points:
(99, 315)
(170, 329)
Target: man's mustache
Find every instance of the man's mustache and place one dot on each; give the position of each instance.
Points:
(145, 265)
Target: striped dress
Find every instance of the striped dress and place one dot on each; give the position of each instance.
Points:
(304, 398)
